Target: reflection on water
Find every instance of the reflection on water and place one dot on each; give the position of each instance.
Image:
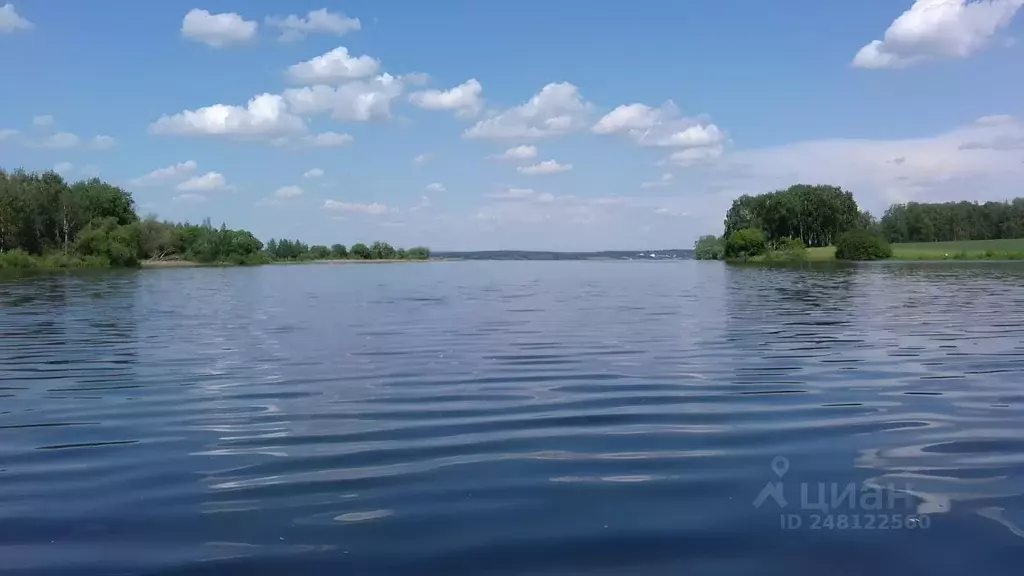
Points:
(511, 417)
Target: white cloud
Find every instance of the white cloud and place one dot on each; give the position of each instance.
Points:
(545, 167)
(360, 100)
(466, 99)
(191, 198)
(518, 153)
(288, 192)
(168, 174)
(207, 182)
(327, 140)
(421, 159)
(7, 133)
(932, 29)
(42, 120)
(265, 115)
(313, 173)
(373, 209)
(666, 180)
(62, 167)
(103, 142)
(11, 22)
(556, 109)
(333, 67)
(294, 28)
(59, 140)
(217, 30)
(435, 187)
(633, 117)
(663, 126)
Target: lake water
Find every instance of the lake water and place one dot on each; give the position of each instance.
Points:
(514, 418)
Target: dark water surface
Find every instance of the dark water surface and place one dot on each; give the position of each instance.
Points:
(514, 418)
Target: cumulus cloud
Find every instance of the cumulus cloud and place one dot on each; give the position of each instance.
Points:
(11, 21)
(466, 99)
(435, 187)
(421, 159)
(63, 167)
(43, 120)
(205, 183)
(59, 140)
(265, 115)
(545, 167)
(217, 30)
(666, 180)
(359, 101)
(103, 142)
(557, 109)
(294, 28)
(665, 127)
(168, 174)
(934, 29)
(373, 209)
(7, 134)
(517, 153)
(333, 67)
(313, 173)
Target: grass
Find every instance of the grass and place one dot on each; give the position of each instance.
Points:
(961, 250)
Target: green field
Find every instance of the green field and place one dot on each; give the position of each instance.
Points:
(963, 250)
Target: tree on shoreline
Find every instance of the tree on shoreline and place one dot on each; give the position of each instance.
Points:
(816, 215)
(45, 221)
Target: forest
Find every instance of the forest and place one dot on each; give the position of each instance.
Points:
(47, 222)
(953, 221)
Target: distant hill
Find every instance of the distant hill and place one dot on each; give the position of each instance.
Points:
(542, 255)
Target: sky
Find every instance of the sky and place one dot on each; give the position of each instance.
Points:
(470, 125)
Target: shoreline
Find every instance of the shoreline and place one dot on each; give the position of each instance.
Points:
(165, 264)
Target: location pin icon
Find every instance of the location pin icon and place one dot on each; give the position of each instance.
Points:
(780, 464)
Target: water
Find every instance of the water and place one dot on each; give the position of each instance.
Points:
(513, 418)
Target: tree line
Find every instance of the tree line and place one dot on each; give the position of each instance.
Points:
(953, 221)
(46, 221)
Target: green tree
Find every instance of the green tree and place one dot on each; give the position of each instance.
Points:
(319, 252)
(360, 251)
(338, 251)
(418, 253)
(381, 251)
(746, 243)
(709, 247)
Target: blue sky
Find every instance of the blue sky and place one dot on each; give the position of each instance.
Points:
(534, 125)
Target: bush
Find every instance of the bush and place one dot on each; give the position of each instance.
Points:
(746, 243)
(862, 245)
(418, 253)
(17, 258)
(788, 250)
(709, 248)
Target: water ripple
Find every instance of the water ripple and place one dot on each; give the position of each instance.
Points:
(509, 417)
